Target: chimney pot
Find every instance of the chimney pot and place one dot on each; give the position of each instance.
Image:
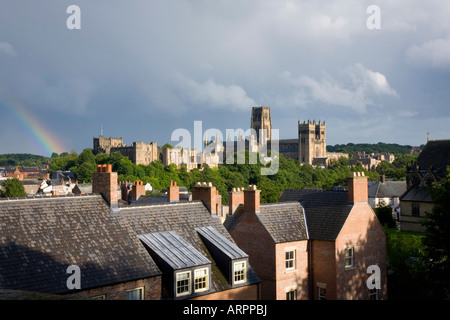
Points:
(358, 188)
(173, 192)
(252, 199)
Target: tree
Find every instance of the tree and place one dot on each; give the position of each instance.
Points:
(84, 172)
(12, 188)
(437, 239)
(384, 214)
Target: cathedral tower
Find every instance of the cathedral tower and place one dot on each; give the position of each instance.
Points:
(311, 140)
(261, 120)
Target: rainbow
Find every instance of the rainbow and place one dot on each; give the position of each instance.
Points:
(42, 138)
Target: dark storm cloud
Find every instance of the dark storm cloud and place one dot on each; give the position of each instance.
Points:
(144, 68)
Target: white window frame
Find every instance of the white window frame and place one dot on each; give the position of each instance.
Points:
(244, 268)
(320, 294)
(205, 275)
(189, 285)
(321, 291)
(351, 257)
(290, 260)
(140, 289)
(290, 292)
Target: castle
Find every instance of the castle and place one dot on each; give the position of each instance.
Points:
(147, 153)
(139, 153)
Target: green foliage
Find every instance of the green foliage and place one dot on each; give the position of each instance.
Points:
(397, 169)
(384, 214)
(290, 174)
(437, 240)
(22, 160)
(12, 188)
(380, 147)
(407, 276)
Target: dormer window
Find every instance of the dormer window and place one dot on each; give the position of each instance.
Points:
(185, 270)
(201, 280)
(240, 272)
(183, 283)
(230, 259)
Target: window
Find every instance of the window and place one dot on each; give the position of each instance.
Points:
(349, 261)
(240, 272)
(322, 293)
(415, 210)
(374, 294)
(183, 283)
(291, 295)
(135, 294)
(201, 282)
(290, 260)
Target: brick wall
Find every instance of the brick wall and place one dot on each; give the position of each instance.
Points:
(206, 192)
(250, 292)
(261, 251)
(104, 181)
(152, 290)
(323, 267)
(357, 188)
(364, 233)
(296, 279)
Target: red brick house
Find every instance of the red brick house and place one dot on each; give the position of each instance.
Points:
(331, 237)
(345, 239)
(275, 236)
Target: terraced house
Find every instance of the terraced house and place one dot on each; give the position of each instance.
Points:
(91, 246)
(313, 244)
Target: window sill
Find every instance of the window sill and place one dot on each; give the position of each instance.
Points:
(349, 267)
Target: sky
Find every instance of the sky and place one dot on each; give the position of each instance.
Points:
(142, 69)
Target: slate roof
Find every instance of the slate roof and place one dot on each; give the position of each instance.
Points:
(174, 250)
(183, 218)
(417, 194)
(285, 222)
(326, 211)
(216, 239)
(387, 189)
(435, 155)
(41, 237)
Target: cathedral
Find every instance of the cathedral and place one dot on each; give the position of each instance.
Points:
(308, 148)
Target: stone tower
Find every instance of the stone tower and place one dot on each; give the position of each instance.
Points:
(311, 141)
(261, 120)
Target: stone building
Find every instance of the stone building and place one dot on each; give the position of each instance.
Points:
(312, 141)
(139, 153)
(430, 166)
(310, 146)
(261, 120)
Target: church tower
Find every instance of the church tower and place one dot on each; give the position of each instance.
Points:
(261, 120)
(311, 141)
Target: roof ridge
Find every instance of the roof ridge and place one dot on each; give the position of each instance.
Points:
(143, 205)
(49, 197)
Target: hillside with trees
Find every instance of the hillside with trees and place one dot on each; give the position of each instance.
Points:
(22, 160)
(379, 147)
(225, 177)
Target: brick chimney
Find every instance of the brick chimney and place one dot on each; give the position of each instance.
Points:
(235, 198)
(125, 191)
(173, 192)
(357, 188)
(210, 196)
(252, 199)
(137, 190)
(104, 181)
